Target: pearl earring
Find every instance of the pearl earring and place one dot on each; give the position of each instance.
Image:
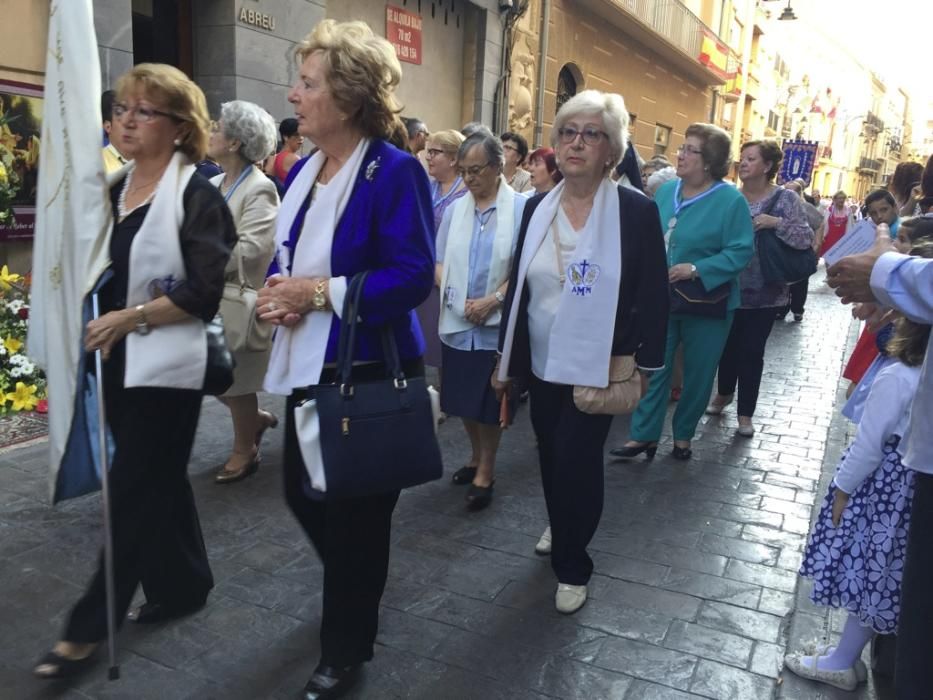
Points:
(177, 142)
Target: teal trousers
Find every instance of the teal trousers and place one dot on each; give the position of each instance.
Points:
(703, 340)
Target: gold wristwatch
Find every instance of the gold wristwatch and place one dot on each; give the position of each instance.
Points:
(318, 299)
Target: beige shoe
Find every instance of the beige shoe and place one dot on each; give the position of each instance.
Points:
(745, 430)
(847, 679)
(544, 544)
(717, 405)
(569, 598)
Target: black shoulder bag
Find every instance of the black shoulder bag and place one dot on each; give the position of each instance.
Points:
(375, 436)
(778, 261)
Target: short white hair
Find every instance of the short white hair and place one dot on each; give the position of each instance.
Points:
(252, 126)
(659, 177)
(608, 105)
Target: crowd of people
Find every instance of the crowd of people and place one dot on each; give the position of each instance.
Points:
(554, 275)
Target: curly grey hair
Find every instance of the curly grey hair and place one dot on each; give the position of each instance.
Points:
(490, 144)
(252, 126)
(608, 105)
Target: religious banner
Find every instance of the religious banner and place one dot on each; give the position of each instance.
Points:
(20, 135)
(403, 30)
(799, 159)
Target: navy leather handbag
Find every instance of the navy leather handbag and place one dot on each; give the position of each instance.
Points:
(375, 436)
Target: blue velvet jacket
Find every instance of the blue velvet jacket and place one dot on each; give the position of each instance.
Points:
(388, 229)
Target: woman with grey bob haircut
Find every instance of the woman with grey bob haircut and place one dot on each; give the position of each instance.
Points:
(251, 126)
(244, 136)
(608, 105)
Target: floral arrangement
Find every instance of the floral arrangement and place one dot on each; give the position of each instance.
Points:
(22, 384)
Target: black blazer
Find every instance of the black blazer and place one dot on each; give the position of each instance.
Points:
(641, 316)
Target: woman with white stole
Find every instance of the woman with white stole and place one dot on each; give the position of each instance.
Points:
(171, 239)
(475, 243)
(588, 282)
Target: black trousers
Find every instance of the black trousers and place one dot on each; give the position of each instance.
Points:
(570, 450)
(743, 358)
(157, 538)
(798, 295)
(913, 668)
(352, 537)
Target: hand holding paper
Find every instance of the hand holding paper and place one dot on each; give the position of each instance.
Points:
(851, 276)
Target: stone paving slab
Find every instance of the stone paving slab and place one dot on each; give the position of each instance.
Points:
(695, 592)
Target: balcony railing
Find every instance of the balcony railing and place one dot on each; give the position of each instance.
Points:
(870, 164)
(873, 122)
(670, 19)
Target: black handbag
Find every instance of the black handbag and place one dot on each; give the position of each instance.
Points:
(692, 298)
(375, 436)
(778, 261)
(218, 374)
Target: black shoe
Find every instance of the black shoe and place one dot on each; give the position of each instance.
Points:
(627, 452)
(798, 317)
(151, 613)
(681, 453)
(478, 497)
(464, 476)
(63, 666)
(330, 682)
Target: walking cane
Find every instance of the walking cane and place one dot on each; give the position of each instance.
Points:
(114, 672)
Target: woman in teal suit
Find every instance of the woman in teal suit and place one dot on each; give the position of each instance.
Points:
(709, 236)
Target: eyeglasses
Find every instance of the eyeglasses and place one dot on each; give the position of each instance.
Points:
(434, 152)
(590, 136)
(690, 149)
(142, 114)
(509, 147)
(472, 171)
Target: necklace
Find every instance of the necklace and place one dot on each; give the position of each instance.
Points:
(122, 211)
(484, 218)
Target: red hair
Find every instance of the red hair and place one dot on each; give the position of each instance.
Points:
(549, 158)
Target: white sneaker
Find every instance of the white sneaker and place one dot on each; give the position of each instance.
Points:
(544, 544)
(569, 598)
(746, 430)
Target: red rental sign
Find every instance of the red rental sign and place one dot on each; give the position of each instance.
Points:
(403, 30)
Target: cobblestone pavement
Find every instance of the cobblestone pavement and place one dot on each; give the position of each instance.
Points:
(694, 595)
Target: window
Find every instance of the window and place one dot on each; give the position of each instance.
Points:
(662, 139)
(566, 86)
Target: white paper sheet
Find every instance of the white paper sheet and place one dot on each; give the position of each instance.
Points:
(858, 240)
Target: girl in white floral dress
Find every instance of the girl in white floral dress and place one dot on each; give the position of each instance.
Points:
(855, 555)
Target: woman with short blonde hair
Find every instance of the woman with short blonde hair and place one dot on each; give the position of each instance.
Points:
(358, 204)
(165, 281)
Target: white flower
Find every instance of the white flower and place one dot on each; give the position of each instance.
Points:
(2, 350)
(14, 306)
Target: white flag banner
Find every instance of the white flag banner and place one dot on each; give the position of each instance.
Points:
(72, 218)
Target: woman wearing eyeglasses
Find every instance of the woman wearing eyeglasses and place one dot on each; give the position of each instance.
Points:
(709, 238)
(588, 282)
(474, 255)
(170, 241)
(446, 188)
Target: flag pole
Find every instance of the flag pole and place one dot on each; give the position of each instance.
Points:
(114, 672)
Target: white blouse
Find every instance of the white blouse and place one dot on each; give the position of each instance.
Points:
(544, 289)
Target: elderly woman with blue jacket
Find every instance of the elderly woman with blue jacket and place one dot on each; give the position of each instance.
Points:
(357, 204)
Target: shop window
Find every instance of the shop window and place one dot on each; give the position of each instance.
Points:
(662, 139)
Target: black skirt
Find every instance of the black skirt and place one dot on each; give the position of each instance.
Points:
(465, 388)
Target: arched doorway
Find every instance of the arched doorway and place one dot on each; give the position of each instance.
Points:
(569, 82)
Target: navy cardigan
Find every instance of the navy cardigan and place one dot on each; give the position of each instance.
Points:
(641, 315)
(388, 229)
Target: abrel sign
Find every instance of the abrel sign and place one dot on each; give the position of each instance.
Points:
(403, 30)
